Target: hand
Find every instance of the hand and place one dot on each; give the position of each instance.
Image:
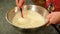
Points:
(54, 18)
(20, 3)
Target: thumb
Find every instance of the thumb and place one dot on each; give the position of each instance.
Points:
(49, 16)
(48, 24)
(49, 19)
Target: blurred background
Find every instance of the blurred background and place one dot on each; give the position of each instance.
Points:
(6, 28)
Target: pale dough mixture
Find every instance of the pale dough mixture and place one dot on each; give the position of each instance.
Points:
(31, 20)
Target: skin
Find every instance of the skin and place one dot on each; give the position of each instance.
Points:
(54, 18)
(20, 3)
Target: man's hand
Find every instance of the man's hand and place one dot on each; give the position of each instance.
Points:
(20, 3)
(54, 18)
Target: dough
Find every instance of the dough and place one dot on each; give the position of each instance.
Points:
(31, 20)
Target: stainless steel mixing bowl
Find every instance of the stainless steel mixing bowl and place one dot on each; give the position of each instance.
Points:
(42, 11)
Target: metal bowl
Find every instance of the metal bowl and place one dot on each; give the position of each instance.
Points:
(42, 11)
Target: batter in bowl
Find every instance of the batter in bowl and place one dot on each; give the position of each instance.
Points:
(31, 19)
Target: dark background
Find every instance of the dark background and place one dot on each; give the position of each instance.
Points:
(6, 28)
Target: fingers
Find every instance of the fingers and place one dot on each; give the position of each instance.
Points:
(53, 18)
(17, 2)
(20, 3)
(51, 21)
(49, 16)
(48, 24)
